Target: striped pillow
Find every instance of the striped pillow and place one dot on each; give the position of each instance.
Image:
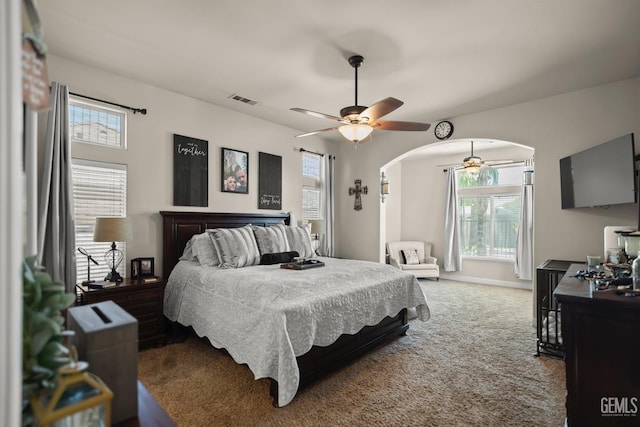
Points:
(271, 239)
(236, 247)
(299, 240)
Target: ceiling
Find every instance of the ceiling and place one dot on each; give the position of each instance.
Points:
(443, 59)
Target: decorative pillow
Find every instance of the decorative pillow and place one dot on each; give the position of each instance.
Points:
(270, 239)
(203, 250)
(410, 256)
(299, 240)
(187, 254)
(278, 258)
(236, 247)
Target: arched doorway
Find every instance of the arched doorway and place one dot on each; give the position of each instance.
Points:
(415, 208)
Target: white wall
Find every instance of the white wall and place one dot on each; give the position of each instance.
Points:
(150, 146)
(555, 127)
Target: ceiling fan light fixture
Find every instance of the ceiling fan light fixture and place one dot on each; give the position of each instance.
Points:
(355, 132)
(472, 164)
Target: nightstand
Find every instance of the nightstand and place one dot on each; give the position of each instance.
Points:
(143, 300)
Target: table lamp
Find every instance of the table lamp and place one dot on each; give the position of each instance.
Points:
(112, 229)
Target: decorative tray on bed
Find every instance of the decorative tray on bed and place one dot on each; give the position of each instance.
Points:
(302, 265)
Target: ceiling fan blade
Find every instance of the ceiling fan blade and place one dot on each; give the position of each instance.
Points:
(396, 125)
(381, 108)
(498, 162)
(316, 114)
(316, 131)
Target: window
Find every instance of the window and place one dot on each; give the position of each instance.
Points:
(489, 209)
(99, 189)
(311, 181)
(93, 123)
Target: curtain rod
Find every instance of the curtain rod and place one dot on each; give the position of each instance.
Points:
(312, 152)
(142, 111)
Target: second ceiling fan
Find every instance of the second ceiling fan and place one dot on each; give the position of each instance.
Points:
(359, 121)
(473, 163)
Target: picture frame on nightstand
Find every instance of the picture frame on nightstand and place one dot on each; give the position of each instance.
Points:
(142, 267)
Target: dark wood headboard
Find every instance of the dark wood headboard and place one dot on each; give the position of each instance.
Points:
(178, 227)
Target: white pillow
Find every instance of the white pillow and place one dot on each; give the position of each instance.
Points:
(271, 239)
(236, 247)
(203, 250)
(410, 256)
(299, 239)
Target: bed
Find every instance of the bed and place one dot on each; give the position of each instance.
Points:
(289, 326)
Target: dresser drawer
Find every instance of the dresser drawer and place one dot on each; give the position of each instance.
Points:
(136, 297)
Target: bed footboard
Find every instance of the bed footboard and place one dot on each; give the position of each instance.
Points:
(319, 361)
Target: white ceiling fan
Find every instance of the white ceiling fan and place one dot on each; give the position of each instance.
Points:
(473, 163)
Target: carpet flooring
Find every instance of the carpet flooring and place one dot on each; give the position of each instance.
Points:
(471, 364)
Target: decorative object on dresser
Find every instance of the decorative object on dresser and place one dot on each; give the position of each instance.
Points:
(143, 300)
(357, 190)
(113, 229)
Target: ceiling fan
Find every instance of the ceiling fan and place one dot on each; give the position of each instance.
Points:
(359, 121)
(473, 163)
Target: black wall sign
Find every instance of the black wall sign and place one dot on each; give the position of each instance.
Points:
(190, 171)
(269, 181)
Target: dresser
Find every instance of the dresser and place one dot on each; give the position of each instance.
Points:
(142, 299)
(601, 333)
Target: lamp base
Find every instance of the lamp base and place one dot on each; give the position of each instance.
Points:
(113, 276)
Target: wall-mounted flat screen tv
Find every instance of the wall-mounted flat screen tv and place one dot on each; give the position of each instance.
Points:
(603, 175)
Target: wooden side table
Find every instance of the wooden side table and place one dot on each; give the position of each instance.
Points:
(142, 299)
(150, 413)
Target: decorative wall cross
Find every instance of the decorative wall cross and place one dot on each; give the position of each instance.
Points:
(358, 190)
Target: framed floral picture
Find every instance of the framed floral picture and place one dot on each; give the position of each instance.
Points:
(234, 171)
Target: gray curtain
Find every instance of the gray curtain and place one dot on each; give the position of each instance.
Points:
(524, 242)
(328, 190)
(56, 234)
(452, 258)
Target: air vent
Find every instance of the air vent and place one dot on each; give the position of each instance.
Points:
(243, 99)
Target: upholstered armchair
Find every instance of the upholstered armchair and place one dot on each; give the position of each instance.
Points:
(414, 257)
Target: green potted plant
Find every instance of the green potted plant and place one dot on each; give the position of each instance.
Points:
(43, 351)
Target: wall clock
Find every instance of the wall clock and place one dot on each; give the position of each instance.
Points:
(443, 130)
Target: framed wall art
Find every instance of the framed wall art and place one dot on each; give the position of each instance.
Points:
(234, 171)
(190, 171)
(269, 181)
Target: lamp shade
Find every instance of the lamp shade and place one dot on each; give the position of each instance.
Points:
(317, 226)
(112, 229)
(355, 132)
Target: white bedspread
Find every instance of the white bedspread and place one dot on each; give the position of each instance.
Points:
(266, 316)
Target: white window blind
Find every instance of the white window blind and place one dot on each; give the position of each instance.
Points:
(311, 178)
(99, 189)
(94, 123)
(489, 209)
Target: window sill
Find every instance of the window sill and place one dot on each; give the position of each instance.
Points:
(489, 259)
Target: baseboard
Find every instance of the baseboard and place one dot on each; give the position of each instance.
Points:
(507, 284)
